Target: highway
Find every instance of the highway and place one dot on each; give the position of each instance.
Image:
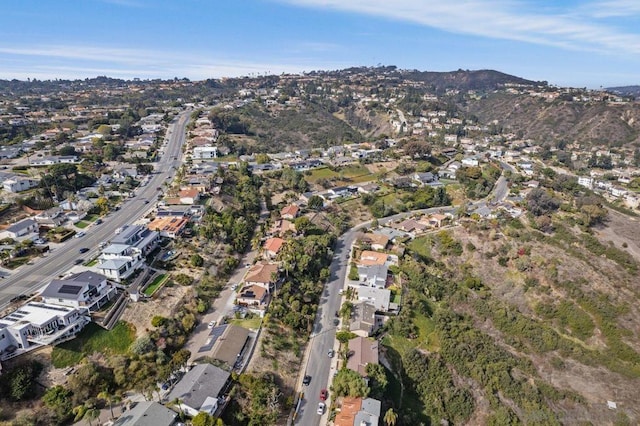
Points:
(29, 277)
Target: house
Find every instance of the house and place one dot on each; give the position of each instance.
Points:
(362, 352)
(262, 274)
(290, 212)
(138, 236)
(19, 184)
(51, 218)
(36, 324)
(147, 413)
(378, 296)
(252, 295)
(282, 227)
(231, 345)
(412, 226)
(370, 258)
(272, 247)
(200, 389)
(339, 191)
(86, 290)
(470, 162)
(205, 152)
(375, 241)
(437, 220)
(169, 227)
(373, 275)
(368, 188)
(119, 261)
(424, 178)
(189, 196)
(364, 321)
(20, 229)
(356, 411)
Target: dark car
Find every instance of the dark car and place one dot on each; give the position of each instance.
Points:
(323, 395)
(78, 261)
(98, 221)
(84, 250)
(306, 380)
(146, 201)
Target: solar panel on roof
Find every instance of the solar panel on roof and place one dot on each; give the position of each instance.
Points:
(70, 289)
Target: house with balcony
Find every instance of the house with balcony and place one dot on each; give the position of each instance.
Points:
(19, 184)
(200, 390)
(35, 324)
(118, 262)
(262, 274)
(138, 236)
(86, 290)
(23, 228)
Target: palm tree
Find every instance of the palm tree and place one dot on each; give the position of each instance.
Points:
(178, 403)
(91, 413)
(390, 417)
(110, 399)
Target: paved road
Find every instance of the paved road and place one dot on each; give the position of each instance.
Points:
(27, 278)
(318, 364)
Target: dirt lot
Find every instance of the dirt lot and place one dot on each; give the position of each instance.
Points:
(164, 303)
(621, 229)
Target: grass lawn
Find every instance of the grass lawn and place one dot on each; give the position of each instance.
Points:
(94, 262)
(421, 245)
(82, 224)
(93, 338)
(157, 282)
(251, 323)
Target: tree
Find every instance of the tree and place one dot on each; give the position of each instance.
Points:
(196, 260)
(58, 399)
(316, 202)
(349, 383)
(390, 417)
(91, 413)
(109, 398)
(377, 379)
(204, 419)
(102, 204)
(540, 202)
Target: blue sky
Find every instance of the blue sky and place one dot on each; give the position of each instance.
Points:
(575, 43)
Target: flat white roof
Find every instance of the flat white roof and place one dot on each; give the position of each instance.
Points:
(37, 314)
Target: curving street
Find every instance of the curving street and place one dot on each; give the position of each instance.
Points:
(29, 277)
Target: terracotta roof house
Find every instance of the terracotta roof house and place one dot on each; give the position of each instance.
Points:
(189, 196)
(272, 246)
(370, 258)
(290, 212)
(358, 412)
(281, 227)
(263, 275)
(168, 226)
(376, 241)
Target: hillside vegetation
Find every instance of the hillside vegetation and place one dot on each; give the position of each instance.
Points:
(544, 121)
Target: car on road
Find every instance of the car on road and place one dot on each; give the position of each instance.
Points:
(80, 234)
(321, 407)
(78, 261)
(211, 324)
(146, 201)
(331, 353)
(83, 250)
(336, 322)
(306, 380)
(323, 395)
(98, 221)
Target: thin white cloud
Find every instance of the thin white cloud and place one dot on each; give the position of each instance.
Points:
(613, 8)
(73, 61)
(126, 3)
(507, 19)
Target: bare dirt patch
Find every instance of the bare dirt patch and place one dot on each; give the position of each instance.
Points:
(165, 302)
(621, 229)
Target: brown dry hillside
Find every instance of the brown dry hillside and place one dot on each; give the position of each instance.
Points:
(545, 121)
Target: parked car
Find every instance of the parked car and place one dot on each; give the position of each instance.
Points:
(306, 380)
(323, 395)
(211, 324)
(78, 261)
(331, 353)
(321, 407)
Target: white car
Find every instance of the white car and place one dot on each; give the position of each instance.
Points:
(321, 407)
(212, 324)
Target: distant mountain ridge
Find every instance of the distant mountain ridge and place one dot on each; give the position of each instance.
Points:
(469, 80)
(625, 90)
